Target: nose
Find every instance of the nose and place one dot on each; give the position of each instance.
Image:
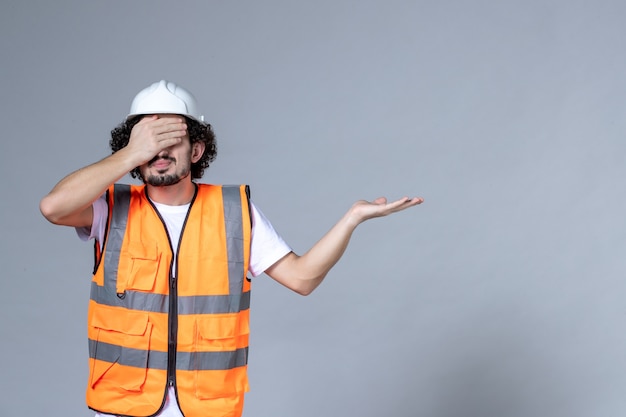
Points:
(164, 153)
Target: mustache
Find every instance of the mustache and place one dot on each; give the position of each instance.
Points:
(161, 158)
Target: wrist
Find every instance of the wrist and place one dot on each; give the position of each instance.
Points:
(129, 159)
(352, 218)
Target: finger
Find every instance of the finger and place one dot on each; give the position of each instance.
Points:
(147, 119)
(170, 121)
(399, 202)
(412, 200)
(380, 200)
(169, 130)
(404, 203)
(167, 119)
(158, 121)
(166, 143)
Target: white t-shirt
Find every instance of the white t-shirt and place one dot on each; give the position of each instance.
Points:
(266, 248)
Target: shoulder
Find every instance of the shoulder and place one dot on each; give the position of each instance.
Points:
(118, 190)
(226, 191)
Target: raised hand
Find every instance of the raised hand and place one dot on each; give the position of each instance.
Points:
(363, 210)
(153, 134)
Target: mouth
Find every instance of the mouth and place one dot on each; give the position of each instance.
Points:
(160, 163)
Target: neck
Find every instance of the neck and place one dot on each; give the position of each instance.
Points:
(172, 195)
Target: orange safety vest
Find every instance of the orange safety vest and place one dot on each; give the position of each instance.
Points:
(148, 330)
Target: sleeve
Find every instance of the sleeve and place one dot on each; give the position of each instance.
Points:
(267, 246)
(100, 214)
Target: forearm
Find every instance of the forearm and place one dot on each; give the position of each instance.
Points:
(77, 191)
(321, 257)
(306, 272)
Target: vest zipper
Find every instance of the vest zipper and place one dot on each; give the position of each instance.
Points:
(173, 326)
(173, 298)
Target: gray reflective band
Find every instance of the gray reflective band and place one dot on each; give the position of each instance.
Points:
(234, 237)
(117, 229)
(211, 361)
(213, 304)
(159, 303)
(137, 358)
(185, 361)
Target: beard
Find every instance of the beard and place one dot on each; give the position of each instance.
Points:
(163, 180)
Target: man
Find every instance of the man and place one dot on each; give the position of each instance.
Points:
(168, 315)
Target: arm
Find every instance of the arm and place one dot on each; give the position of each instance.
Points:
(303, 274)
(69, 202)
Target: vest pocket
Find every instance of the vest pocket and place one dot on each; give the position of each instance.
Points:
(221, 332)
(119, 350)
(141, 267)
(221, 356)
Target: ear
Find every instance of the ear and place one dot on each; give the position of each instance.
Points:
(197, 150)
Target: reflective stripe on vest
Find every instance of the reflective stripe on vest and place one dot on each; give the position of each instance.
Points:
(158, 303)
(186, 361)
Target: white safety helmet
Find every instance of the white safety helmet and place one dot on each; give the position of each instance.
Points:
(165, 97)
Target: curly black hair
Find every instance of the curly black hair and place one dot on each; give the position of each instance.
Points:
(198, 132)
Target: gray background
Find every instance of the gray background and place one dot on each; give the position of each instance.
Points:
(502, 295)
